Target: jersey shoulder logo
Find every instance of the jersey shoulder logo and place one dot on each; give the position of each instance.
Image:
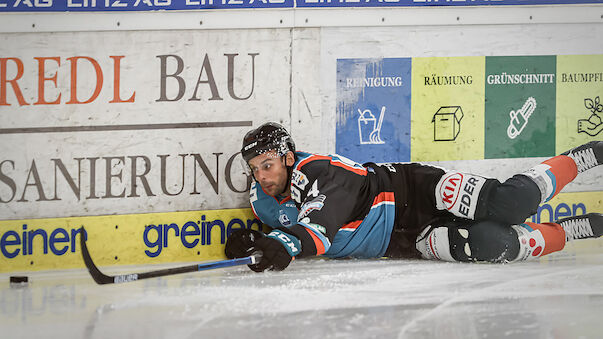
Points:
(299, 179)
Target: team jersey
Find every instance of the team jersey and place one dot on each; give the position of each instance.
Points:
(272, 211)
(342, 207)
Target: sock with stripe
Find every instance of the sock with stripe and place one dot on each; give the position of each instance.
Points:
(553, 174)
(536, 240)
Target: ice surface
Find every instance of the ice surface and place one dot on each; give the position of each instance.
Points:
(557, 297)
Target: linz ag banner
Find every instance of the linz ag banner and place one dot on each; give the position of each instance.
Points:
(134, 5)
(154, 5)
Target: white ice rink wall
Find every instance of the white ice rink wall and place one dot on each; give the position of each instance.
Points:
(126, 116)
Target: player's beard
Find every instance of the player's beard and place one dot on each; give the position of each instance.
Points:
(278, 186)
(274, 188)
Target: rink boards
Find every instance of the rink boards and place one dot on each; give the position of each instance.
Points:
(461, 108)
(44, 244)
(126, 122)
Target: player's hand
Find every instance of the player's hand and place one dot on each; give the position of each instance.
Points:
(278, 249)
(240, 243)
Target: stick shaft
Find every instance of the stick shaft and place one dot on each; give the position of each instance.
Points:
(102, 278)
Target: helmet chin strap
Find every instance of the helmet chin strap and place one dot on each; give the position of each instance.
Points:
(289, 173)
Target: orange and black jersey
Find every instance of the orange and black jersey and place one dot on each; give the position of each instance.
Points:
(344, 210)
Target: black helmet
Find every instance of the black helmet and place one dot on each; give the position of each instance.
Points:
(269, 136)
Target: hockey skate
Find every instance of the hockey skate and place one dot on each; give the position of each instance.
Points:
(587, 156)
(582, 227)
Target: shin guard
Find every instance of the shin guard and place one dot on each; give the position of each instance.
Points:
(484, 241)
(552, 175)
(536, 240)
(434, 244)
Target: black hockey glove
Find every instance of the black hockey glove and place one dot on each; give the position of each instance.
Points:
(240, 243)
(278, 249)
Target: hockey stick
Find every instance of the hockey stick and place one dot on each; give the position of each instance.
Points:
(102, 278)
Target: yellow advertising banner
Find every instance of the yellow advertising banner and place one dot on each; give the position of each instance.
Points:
(447, 121)
(579, 100)
(45, 244)
(569, 204)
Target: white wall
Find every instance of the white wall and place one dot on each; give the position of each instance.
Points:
(294, 83)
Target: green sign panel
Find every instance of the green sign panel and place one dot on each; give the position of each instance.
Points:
(520, 106)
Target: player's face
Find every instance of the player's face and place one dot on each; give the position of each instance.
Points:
(270, 171)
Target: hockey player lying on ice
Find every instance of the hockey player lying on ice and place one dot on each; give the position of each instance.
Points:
(334, 207)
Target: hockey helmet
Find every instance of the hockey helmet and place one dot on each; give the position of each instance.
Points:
(267, 137)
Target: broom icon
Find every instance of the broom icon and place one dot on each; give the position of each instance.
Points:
(375, 136)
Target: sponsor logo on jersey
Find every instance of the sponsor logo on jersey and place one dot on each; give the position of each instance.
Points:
(283, 218)
(315, 204)
(317, 228)
(299, 179)
(459, 193)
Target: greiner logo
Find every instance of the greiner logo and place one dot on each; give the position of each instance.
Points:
(191, 233)
(552, 212)
(58, 241)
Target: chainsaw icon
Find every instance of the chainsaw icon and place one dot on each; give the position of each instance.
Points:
(519, 118)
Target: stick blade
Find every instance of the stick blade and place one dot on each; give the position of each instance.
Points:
(98, 276)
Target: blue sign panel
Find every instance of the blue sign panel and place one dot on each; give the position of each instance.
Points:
(155, 5)
(134, 5)
(409, 3)
(373, 109)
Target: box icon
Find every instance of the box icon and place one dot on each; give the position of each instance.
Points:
(447, 123)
